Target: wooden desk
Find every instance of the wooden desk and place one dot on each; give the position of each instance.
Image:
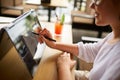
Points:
(53, 4)
(47, 67)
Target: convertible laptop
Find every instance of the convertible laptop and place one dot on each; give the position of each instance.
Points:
(20, 33)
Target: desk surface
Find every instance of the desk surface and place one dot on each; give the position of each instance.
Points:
(47, 68)
(54, 3)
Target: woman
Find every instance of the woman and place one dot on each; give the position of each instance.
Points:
(105, 54)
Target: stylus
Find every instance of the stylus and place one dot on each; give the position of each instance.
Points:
(45, 37)
(38, 21)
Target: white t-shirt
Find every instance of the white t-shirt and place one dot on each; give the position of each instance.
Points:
(105, 58)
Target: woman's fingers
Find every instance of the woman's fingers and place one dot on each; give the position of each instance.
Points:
(45, 32)
(40, 39)
(65, 54)
(37, 29)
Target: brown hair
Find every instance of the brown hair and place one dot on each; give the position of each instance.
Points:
(116, 3)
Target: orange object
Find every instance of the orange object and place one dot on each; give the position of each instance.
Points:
(58, 27)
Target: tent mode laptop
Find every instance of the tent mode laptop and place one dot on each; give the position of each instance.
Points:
(20, 33)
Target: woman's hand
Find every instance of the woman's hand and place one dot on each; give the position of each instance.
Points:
(64, 61)
(38, 30)
(64, 65)
(45, 33)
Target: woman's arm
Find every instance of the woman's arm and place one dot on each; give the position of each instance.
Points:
(65, 65)
(64, 74)
(71, 48)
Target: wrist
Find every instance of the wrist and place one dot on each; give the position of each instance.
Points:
(54, 45)
(62, 68)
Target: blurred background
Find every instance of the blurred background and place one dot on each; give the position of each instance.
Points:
(77, 14)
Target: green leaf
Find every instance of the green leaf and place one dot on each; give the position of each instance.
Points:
(62, 19)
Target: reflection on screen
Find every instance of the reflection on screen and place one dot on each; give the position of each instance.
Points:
(24, 41)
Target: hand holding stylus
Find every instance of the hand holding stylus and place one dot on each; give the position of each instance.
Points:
(46, 36)
(39, 30)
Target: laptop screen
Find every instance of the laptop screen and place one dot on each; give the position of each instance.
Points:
(20, 33)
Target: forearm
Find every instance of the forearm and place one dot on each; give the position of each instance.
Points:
(64, 74)
(71, 48)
